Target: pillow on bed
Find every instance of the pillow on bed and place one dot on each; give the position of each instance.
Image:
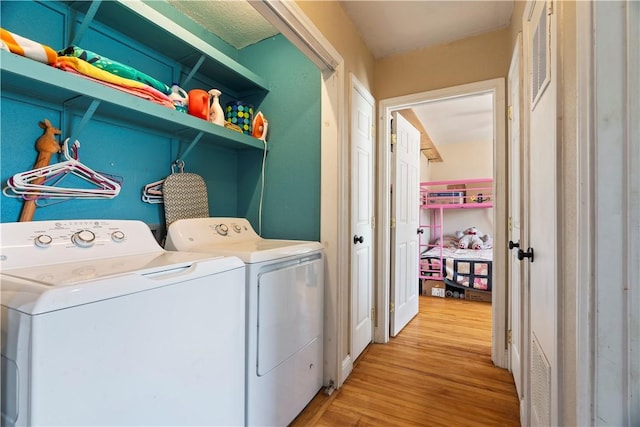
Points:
(447, 242)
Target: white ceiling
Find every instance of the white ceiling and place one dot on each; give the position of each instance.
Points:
(392, 27)
(388, 27)
(465, 119)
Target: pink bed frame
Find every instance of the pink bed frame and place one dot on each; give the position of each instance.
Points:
(435, 196)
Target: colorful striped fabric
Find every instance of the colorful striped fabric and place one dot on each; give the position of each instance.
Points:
(27, 48)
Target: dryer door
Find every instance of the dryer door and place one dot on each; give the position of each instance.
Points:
(290, 301)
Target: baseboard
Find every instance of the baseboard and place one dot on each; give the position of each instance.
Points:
(347, 367)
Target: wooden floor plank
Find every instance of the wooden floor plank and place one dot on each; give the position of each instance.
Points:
(436, 372)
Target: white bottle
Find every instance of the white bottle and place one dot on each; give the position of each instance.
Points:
(179, 98)
(216, 114)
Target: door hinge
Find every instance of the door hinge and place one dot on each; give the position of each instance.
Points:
(392, 307)
(373, 222)
(393, 223)
(509, 336)
(373, 313)
(373, 132)
(394, 139)
(510, 112)
(550, 7)
(510, 224)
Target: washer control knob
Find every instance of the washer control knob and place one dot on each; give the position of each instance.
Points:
(83, 238)
(117, 236)
(43, 240)
(222, 229)
(237, 228)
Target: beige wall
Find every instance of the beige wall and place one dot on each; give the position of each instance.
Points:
(425, 166)
(333, 22)
(473, 159)
(473, 59)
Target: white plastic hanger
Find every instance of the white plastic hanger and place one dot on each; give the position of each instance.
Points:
(97, 185)
(152, 192)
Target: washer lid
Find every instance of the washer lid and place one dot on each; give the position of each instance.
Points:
(42, 289)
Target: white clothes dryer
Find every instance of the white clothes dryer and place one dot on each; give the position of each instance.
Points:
(101, 326)
(285, 294)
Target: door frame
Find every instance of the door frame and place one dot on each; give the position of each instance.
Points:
(499, 354)
(516, 122)
(604, 383)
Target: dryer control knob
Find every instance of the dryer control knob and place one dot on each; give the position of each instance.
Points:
(222, 229)
(117, 236)
(83, 238)
(237, 228)
(43, 240)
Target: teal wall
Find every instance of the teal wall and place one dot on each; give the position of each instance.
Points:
(140, 155)
(292, 175)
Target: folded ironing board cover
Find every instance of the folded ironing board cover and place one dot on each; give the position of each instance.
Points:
(185, 196)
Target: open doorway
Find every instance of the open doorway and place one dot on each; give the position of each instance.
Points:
(495, 90)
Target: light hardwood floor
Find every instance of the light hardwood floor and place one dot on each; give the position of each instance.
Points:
(436, 372)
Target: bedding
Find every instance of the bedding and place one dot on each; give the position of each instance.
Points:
(470, 268)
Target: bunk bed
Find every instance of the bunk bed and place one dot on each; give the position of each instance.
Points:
(462, 270)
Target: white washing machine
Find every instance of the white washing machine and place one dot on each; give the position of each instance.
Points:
(285, 293)
(101, 326)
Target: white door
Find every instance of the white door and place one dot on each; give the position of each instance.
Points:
(540, 222)
(515, 283)
(405, 199)
(361, 237)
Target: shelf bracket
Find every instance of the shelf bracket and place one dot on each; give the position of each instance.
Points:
(85, 119)
(190, 147)
(88, 18)
(194, 70)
